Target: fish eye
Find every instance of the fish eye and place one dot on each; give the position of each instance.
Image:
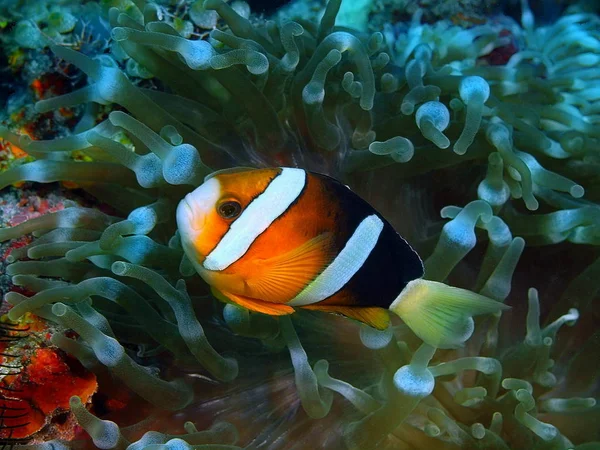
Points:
(230, 209)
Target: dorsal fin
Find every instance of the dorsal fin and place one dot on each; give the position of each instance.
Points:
(227, 171)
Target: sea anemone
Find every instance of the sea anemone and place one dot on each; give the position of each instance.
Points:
(424, 110)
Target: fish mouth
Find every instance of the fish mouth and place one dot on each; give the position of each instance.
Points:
(187, 220)
(194, 209)
(197, 221)
(188, 208)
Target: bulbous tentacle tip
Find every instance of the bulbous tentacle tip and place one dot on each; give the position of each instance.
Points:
(413, 382)
(120, 34)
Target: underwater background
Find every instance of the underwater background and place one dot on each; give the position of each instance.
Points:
(472, 126)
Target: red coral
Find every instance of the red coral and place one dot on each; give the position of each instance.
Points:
(50, 84)
(32, 207)
(15, 244)
(501, 55)
(52, 382)
(42, 381)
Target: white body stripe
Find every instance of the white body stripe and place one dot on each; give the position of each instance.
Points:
(345, 265)
(256, 218)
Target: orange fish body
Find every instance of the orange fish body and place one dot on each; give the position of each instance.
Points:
(271, 240)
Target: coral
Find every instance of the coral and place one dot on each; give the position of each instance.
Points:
(465, 13)
(354, 14)
(510, 150)
(37, 383)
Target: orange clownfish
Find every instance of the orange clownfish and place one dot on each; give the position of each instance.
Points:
(272, 240)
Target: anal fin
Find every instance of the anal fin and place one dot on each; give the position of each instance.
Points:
(371, 315)
(271, 309)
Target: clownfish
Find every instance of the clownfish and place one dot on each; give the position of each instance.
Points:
(273, 240)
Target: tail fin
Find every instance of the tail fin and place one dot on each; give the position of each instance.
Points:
(439, 314)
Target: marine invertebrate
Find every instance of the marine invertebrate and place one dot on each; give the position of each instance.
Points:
(328, 100)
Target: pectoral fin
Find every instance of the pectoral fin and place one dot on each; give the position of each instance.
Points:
(280, 278)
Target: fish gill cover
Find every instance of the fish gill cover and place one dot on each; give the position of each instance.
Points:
(496, 122)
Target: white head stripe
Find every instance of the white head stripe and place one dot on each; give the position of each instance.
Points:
(345, 265)
(256, 218)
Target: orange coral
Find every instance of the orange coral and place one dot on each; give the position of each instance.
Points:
(39, 382)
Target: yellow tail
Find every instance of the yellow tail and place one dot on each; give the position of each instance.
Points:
(441, 315)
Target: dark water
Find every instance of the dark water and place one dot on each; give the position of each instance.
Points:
(472, 127)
